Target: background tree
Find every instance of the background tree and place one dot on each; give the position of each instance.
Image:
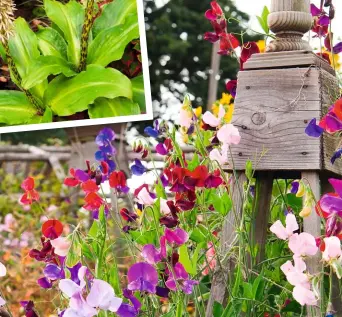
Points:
(180, 58)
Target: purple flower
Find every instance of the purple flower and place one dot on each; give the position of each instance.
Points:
(138, 168)
(101, 296)
(176, 237)
(315, 12)
(161, 149)
(336, 156)
(337, 49)
(153, 131)
(53, 272)
(294, 187)
(29, 308)
(105, 137)
(142, 277)
(179, 278)
(313, 129)
(127, 310)
(331, 203)
(44, 282)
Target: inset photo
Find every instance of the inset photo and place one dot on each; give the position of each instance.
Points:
(72, 63)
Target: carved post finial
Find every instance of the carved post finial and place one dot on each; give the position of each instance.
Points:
(289, 20)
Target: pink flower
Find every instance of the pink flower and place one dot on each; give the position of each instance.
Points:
(185, 118)
(215, 155)
(9, 223)
(228, 134)
(294, 274)
(61, 245)
(332, 248)
(144, 197)
(164, 208)
(303, 244)
(284, 233)
(304, 296)
(213, 121)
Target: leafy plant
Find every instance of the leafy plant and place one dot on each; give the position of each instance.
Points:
(65, 68)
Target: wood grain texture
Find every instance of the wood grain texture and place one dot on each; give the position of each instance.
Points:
(312, 224)
(272, 110)
(218, 290)
(289, 20)
(302, 58)
(261, 211)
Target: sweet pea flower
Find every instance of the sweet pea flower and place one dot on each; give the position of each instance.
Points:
(164, 207)
(30, 194)
(303, 244)
(332, 248)
(179, 277)
(285, 232)
(138, 168)
(304, 296)
(213, 121)
(145, 198)
(142, 277)
(176, 237)
(228, 134)
(216, 155)
(9, 223)
(294, 274)
(61, 245)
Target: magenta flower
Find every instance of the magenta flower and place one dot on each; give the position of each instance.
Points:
(127, 310)
(176, 237)
(215, 12)
(179, 279)
(142, 277)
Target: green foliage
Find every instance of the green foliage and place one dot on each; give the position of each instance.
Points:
(47, 62)
(263, 19)
(104, 108)
(15, 108)
(67, 96)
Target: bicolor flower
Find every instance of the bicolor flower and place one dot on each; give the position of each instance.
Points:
(142, 277)
(332, 248)
(179, 280)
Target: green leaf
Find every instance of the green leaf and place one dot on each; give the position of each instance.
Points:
(23, 47)
(110, 44)
(139, 92)
(50, 42)
(46, 118)
(263, 19)
(184, 259)
(67, 96)
(194, 162)
(197, 235)
(249, 169)
(3, 53)
(43, 66)
(15, 108)
(222, 204)
(247, 290)
(258, 288)
(69, 18)
(217, 309)
(114, 14)
(105, 108)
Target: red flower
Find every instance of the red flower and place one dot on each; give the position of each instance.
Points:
(46, 254)
(52, 229)
(118, 181)
(30, 193)
(215, 12)
(93, 202)
(89, 186)
(247, 51)
(127, 215)
(228, 42)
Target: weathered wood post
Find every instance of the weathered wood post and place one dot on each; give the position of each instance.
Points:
(278, 93)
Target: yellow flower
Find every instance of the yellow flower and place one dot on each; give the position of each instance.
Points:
(262, 45)
(139, 212)
(226, 99)
(306, 212)
(229, 114)
(198, 112)
(215, 108)
(301, 190)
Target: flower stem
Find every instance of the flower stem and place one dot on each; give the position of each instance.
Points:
(88, 23)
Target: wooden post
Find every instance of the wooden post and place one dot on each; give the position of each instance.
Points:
(228, 237)
(278, 93)
(213, 82)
